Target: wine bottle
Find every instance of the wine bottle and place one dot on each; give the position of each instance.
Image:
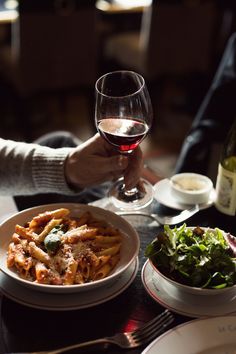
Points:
(226, 178)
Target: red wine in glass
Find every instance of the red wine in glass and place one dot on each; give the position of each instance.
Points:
(125, 134)
(123, 117)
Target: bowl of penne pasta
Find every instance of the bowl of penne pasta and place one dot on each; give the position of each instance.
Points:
(66, 247)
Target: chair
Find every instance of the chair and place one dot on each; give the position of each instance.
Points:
(50, 49)
(201, 148)
(53, 49)
(175, 39)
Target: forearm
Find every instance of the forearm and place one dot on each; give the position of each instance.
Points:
(31, 169)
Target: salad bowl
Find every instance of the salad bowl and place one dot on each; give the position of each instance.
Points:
(195, 260)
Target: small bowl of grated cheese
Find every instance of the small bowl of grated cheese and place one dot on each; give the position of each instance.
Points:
(191, 188)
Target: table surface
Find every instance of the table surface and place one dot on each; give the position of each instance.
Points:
(24, 329)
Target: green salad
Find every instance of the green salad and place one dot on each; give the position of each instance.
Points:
(198, 257)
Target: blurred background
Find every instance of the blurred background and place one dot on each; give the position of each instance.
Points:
(52, 52)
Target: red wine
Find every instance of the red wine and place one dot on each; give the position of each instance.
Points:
(125, 134)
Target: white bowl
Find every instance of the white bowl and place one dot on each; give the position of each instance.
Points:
(191, 188)
(129, 248)
(172, 285)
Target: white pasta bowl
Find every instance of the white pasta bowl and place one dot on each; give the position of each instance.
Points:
(173, 273)
(129, 249)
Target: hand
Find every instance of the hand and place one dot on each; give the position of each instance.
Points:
(96, 161)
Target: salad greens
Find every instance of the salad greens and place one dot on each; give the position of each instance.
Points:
(194, 256)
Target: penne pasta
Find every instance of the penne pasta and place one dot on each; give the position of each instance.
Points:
(79, 278)
(55, 249)
(107, 239)
(109, 251)
(107, 267)
(25, 233)
(84, 218)
(43, 218)
(84, 268)
(102, 272)
(51, 224)
(41, 273)
(81, 233)
(70, 273)
(114, 260)
(38, 253)
(11, 255)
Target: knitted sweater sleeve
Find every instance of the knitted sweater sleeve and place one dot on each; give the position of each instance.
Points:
(31, 168)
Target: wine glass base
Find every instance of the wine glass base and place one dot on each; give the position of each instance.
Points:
(133, 200)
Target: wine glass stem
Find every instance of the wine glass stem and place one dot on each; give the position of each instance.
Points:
(131, 192)
(130, 195)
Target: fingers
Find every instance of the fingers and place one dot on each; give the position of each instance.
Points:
(133, 172)
(84, 169)
(113, 167)
(95, 162)
(129, 166)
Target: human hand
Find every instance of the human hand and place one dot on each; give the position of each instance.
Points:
(96, 161)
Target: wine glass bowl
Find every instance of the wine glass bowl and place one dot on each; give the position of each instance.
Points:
(125, 134)
(123, 109)
(123, 116)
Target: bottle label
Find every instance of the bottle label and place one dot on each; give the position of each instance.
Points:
(226, 191)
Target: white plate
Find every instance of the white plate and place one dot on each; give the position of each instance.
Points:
(129, 247)
(162, 193)
(72, 301)
(185, 303)
(216, 335)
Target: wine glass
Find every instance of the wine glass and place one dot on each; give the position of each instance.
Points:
(123, 116)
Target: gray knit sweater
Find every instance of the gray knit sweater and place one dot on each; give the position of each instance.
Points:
(30, 169)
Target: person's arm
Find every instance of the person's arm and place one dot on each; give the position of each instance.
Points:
(31, 168)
